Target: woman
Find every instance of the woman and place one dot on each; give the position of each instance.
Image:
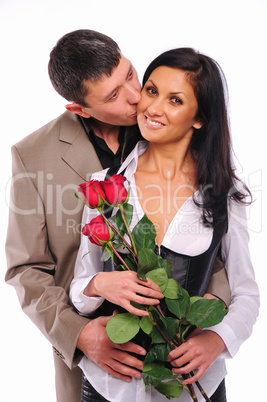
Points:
(183, 179)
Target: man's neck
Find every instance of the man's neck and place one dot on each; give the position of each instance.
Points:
(109, 133)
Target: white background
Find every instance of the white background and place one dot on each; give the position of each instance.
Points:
(233, 33)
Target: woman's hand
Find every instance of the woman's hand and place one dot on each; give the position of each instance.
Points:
(123, 287)
(199, 352)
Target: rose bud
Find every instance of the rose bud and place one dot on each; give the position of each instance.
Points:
(97, 231)
(115, 191)
(93, 193)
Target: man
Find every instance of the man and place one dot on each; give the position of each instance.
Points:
(88, 69)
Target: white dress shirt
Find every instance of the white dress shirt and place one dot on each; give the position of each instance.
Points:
(186, 235)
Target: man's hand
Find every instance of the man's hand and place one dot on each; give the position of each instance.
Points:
(113, 358)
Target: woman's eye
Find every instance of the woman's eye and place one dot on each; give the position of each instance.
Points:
(151, 91)
(176, 101)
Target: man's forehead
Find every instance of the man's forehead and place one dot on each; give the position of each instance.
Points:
(102, 89)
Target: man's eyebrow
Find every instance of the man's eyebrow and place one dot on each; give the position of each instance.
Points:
(116, 88)
(109, 95)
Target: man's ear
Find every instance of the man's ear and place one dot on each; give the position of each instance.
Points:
(77, 109)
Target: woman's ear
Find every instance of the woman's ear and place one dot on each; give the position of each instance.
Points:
(198, 124)
(77, 109)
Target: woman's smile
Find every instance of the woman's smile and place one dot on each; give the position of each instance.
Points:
(153, 123)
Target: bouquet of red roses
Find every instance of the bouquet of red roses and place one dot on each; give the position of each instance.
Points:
(166, 331)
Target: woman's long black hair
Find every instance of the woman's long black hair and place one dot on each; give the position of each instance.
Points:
(211, 144)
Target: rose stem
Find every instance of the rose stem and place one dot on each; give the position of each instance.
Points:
(118, 255)
(176, 341)
(172, 346)
(116, 230)
(128, 230)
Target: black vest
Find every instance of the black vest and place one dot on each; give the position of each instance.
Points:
(192, 273)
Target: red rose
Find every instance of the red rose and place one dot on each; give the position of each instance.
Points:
(115, 192)
(97, 231)
(93, 193)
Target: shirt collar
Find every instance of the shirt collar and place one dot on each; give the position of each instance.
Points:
(131, 161)
(91, 134)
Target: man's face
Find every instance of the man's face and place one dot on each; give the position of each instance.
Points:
(113, 99)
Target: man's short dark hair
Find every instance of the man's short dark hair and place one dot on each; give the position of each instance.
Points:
(78, 56)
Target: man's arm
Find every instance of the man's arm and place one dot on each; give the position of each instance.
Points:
(31, 266)
(113, 358)
(31, 270)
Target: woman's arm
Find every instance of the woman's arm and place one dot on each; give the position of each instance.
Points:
(91, 286)
(122, 288)
(199, 352)
(203, 348)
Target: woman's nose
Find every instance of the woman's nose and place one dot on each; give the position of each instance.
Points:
(155, 108)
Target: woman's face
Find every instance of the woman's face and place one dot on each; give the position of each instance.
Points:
(168, 106)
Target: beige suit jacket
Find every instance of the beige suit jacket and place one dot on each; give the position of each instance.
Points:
(44, 227)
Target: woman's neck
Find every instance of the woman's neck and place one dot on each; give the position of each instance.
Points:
(165, 179)
(167, 161)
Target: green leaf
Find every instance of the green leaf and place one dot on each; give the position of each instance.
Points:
(130, 264)
(158, 352)
(147, 260)
(155, 315)
(144, 234)
(146, 325)
(184, 331)
(156, 337)
(155, 372)
(139, 306)
(107, 254)
(172, 389)
(122, 327)
(166, 264)
(179, 307)
(118, 221)
(120, 267)
(205, 313)
(193, 299)
(171, 327)
(128, 212)
(168, 325)
(172, 289)
(160, 277)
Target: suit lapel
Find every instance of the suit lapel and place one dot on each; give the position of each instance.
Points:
(78, 151)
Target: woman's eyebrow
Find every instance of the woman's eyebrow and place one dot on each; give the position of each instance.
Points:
(171, 93)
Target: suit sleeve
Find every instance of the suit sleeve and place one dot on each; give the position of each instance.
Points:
(31, 267)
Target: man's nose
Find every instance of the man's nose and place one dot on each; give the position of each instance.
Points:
(134, 93)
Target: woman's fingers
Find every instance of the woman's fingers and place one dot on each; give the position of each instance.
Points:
(198, 353)
(125, 287)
